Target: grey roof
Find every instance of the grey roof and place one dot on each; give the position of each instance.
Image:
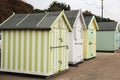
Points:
(107, 26)
(87, 20)
(119, 27)
(71, 15)
(30, 21)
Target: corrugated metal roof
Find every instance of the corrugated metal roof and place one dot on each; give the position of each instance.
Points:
(87, 20)
(31, 21)
(71, 15)
(107, 26)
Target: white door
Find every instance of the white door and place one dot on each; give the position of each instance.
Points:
(78, 44)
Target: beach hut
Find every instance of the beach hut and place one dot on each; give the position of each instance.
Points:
(35, 43)
(89, 38)
(76, 20)
(108, 36)
(119, 33)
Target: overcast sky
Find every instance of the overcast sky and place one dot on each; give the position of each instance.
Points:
(111, 7)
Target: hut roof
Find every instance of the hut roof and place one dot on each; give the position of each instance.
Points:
(71, 15)
(107, 26)
(87, 20)
(30, 21)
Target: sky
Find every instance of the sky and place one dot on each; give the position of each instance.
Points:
(111, 7)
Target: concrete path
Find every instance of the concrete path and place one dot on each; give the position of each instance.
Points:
(106, 66)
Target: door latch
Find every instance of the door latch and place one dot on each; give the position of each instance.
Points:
(60, 62)
(90, 43)
(61, 39)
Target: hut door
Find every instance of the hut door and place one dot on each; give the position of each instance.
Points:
(117, 40)
(91, 43)
(55, 49)
(59, 46)
(63, 59)
(59, 49)
(78, 44)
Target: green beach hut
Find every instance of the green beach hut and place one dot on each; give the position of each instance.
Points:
(108, 36)
(89, 37)
(35, 43)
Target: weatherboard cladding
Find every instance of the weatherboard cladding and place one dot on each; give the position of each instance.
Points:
(87, 20)
(31, 21)
(71, 15)
(107, 26)
(26, 56)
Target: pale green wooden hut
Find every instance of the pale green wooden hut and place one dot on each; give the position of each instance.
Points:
(35, 43)
(108, 36)
(89, 37)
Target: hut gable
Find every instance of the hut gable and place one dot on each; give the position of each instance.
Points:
(73, 17)
(108, 26)
(91, 22)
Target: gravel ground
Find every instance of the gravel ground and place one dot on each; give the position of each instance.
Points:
(106, 66)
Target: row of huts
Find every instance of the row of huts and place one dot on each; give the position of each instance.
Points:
(45, 43)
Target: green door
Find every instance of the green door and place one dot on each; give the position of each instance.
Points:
(63, 59)
(55, 51)
(90, 43)
(59, 49)
(117, 41)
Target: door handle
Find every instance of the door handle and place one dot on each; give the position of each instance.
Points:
(78, 43)
(61, 39)
(90, 43)
(60, 62)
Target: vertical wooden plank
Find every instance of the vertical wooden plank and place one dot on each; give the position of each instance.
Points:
(3, 47)
(45, 51)
(42, 51)
(19, 50)
(16, 57)
(9, 49)
(6, 48)
(36, 51)
(22, 51)
(48, 54)
(33, 51)
(39, 51)
(14, 49)
(25, 50)
(30, 48)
